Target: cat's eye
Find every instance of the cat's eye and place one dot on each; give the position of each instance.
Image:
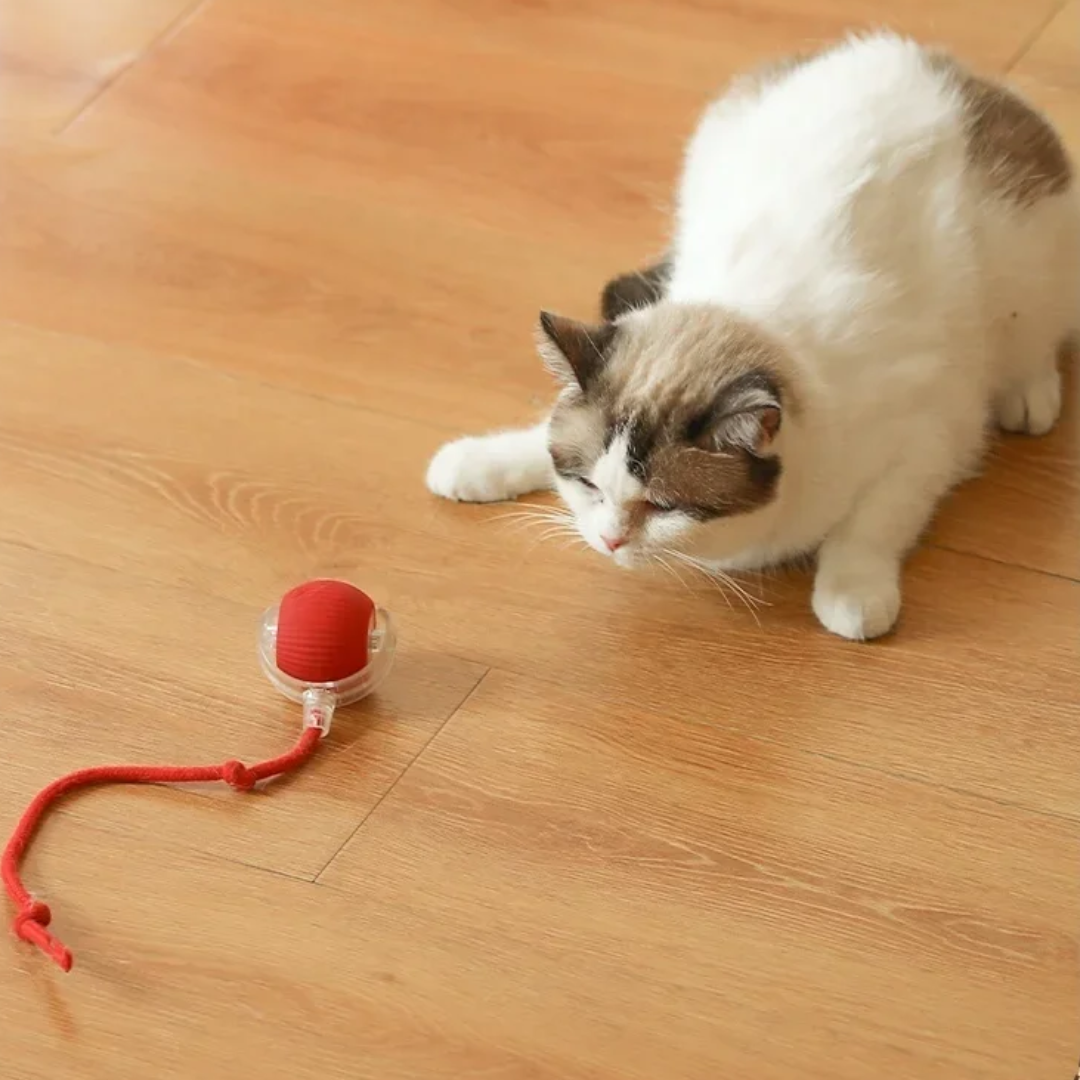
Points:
(587, 484)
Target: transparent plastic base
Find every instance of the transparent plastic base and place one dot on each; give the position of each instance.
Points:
(321, 699)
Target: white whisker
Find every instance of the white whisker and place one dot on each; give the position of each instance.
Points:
(710, 578)
(532, 515)
(519, 520)
(666, 565)
(724, 583)
(556, 525)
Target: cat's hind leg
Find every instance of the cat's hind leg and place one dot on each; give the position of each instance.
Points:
(1037, 313)
(492, 468)
(1030, 406)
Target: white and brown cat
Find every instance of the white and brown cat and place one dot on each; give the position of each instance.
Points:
(875, 254)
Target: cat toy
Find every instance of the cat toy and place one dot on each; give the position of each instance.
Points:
(325, 645)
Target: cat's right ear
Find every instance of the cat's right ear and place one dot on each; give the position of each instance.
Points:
(574, 352)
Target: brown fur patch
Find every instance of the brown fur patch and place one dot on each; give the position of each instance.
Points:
(710, 483)
(1013, 146)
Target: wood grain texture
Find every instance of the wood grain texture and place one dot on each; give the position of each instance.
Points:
(597, 826)
(570, 852)
(542, 897)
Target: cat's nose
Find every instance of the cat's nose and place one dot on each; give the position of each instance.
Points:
(613, 543)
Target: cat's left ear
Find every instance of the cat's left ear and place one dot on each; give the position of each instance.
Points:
(746, 414)
(574, 352)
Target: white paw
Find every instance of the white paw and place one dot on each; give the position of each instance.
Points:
(857, 605)
(470, 470)
(1031, 409)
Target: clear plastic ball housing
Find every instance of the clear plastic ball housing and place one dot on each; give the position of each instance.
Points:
(320, 698)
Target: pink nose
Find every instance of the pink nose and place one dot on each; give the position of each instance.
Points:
(613, 543)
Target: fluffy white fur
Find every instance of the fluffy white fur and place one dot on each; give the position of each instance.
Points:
(838, 210)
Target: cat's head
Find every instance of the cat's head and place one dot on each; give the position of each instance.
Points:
(667, 433)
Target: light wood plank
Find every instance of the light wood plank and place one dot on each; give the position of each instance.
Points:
(404, 310)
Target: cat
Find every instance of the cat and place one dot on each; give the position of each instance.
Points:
(875, 254)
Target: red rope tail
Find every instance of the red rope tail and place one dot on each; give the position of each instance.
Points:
(33, 917)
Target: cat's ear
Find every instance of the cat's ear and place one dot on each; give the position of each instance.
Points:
(745, 415)
(574, 352)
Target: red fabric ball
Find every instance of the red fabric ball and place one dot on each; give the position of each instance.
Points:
(323, 631)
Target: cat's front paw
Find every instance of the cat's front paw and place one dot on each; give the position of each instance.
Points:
(471, 470)
(857, 603)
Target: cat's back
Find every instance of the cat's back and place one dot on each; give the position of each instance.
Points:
(798, 165)
(838, 109)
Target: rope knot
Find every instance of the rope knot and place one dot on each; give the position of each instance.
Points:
(238, 775)
(37, 913)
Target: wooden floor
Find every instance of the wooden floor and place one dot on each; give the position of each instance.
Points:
(258, 258)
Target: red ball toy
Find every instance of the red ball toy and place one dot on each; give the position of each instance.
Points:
(323, 631)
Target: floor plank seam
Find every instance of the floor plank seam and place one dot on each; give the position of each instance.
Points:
(1057, 575)
(174, 27)
(303, 879)
(401, 776)
(1029, 42)
(73, 818)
